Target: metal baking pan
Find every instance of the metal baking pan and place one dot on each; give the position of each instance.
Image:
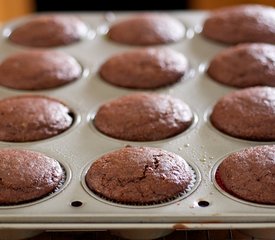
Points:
(74, 208)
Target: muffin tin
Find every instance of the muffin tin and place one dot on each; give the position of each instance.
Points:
(74, 208)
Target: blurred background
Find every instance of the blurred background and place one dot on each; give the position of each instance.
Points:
(15, 8)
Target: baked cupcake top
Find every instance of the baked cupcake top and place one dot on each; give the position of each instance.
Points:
(38, 70)
(146, 68)
(147, 29)
(250, 174)
(242, 23)
(49, 31)
(143, 117)
(244, 65)
(247, 114)
(139, 175)
(30, 118)
(27, 175)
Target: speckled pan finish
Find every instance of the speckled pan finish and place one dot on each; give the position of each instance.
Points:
(202, 146)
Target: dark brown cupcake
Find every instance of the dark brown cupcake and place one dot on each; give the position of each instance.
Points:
(143, 117)
(31, 118)
(139, 175)
(145, 68)
(247, 114)
(242, 23)
(147, 29)
(49, 31)
(244, 65)
(37, 70)
(249, 174)
(27, 176)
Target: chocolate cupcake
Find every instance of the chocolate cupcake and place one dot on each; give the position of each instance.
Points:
(143, 117)
(147, 29)
(27, 176)
(242, 23)
(147, 68)
(247, 114)
(49, 31)
(244, 65)
(139, 175)
(38, 70)
(249, 174)
(31, 118)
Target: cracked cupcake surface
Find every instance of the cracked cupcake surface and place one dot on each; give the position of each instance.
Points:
(26, 175)
(139, 175)
(143, 117)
